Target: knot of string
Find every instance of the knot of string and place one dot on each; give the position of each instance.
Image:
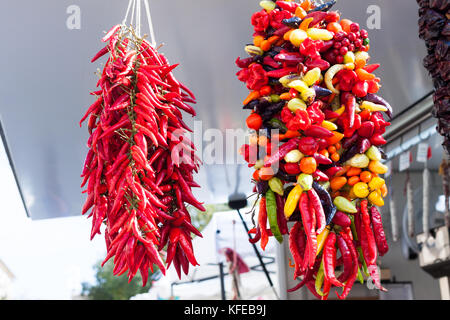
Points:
(134, 7)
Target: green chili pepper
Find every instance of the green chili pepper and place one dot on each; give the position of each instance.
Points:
(342, 204)
(305, 181)
(276, 185)
(277, 124)
(271, 206)
(360, 276)
(275, 98)
(326, 184)
(319, 280)
(353, 227)
(364, 265)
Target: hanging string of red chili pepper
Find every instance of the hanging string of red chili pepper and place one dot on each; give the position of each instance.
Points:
(309, 78)
(139, 167)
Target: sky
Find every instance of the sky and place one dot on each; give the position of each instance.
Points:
(49, 258)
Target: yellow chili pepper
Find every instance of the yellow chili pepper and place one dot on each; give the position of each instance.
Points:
(349, 57)
(305, 24)
(276, 185)
(312, 76)
(296, 37)
(372, 107)
(292, 201)
(298, 85)
(340, 111)
(268, 5)
(377, 167)
(361, 190)
(376, 199)
(376, 183)
(329, 125)
(295, 104)
(321, 239)
(319, 34)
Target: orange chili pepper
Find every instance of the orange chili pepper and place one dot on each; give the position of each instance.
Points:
(342, 172)
(353, 172)
(252, 96)
(273, 39)
(287, 35)
(337, 136)
(334, 27)
(300, 12)
(338, 183)
(308, 165)
(266, 173)
(363, 75)
(335, 157)
(325, 153)
(384, 190)
(306, 5)
(257, 40)
(291, 134)
(353, 180)
(266, 45)
(365, 176)
(285, 96)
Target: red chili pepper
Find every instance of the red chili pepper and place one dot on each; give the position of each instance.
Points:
(351, 280)
(371, 67)
(282, 222)
(282, 152)
(346, 259)
(318, 132)
(366, 130)
(329, 260)
(360, 89)
(321, 159)
(318, 17)
(347, 79)
(378, 231)
(289, 6)
(262, 223)
(297, 245)
(312, 63)
(349, 101)
(377, 140)
(320, 176)
(279, 73)
(308, 218)
(368, 243)
(321, 222)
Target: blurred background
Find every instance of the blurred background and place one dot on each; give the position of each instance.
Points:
(45, 252)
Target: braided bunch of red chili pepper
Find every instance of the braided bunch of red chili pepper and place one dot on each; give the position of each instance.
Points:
(310, 81)
(139, 168)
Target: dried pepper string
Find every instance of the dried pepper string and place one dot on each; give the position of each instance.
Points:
(139, 165)
(309, 78)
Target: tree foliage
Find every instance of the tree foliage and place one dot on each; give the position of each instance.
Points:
(111, 287)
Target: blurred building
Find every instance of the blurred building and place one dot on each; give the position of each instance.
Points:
(6, 279)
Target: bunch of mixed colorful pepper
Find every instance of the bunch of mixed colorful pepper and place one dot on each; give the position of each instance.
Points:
(139, 166)
(309, 78)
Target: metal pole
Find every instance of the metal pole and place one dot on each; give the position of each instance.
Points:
(222, 281)
(263, 265)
